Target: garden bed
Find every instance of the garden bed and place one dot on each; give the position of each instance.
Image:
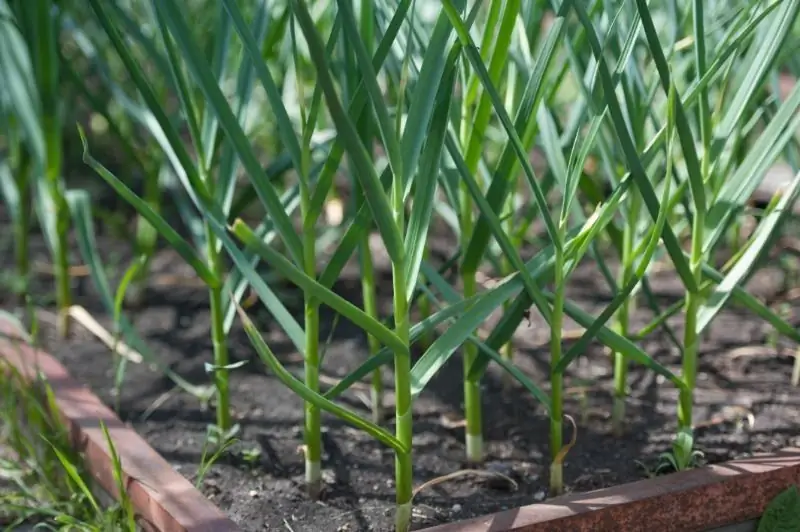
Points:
(260, 484)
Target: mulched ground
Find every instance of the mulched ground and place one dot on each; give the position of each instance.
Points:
(260, 484)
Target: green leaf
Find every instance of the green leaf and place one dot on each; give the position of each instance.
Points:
(200, 70)
(316, 290)
(163, 130)
(435, 73)
(644, 258)
(81, 208)
(739, 187)
(752, 304)
(475, 60)
(620, 344)
(782, 513)
(576, 167)
(761, 59)
(373, 190)
(355, 110)
(382, 358)
(515, 372)
(245, 264)
(268, 357)
(168, 233)
(226, 184)
(635, 164)
(369, 77)
(219, 66)
(689, 150)
(443, 347)
(19, 83)
(9, 192)
(425, 195)
(506, 168)
(755, 249)
(509, 250)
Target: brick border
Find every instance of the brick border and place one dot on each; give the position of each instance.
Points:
(696, 500)
(164, 499)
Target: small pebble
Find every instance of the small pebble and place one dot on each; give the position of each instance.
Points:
(539, 496)
(328, 476)
(456, 508)
(253, 494)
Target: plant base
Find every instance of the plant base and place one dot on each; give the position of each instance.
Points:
(474, 448)
(402, 517)
(313, 479)
(556, 478)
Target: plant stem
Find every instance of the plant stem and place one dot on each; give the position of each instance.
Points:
(620, 374)
(313, 420)
(472, 391)
(473, 433)
(691, 339)
(556, 379)
(218, 338)
(402, 376)
(623, 322)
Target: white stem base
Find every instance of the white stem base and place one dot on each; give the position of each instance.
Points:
(313, 478)
(402, 519)
(474, 448)
(556, 478)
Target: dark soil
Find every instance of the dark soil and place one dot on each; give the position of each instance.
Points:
(260, 484)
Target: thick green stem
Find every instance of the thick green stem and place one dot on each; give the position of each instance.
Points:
(620, 375)
(473, 131)
(472, 391)
(690, 342)
(403, 415)
(218, 339)
(368, 288)
(313, 419)
(623, 322)
(691, 339)
(402, 376)
(556, 381)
